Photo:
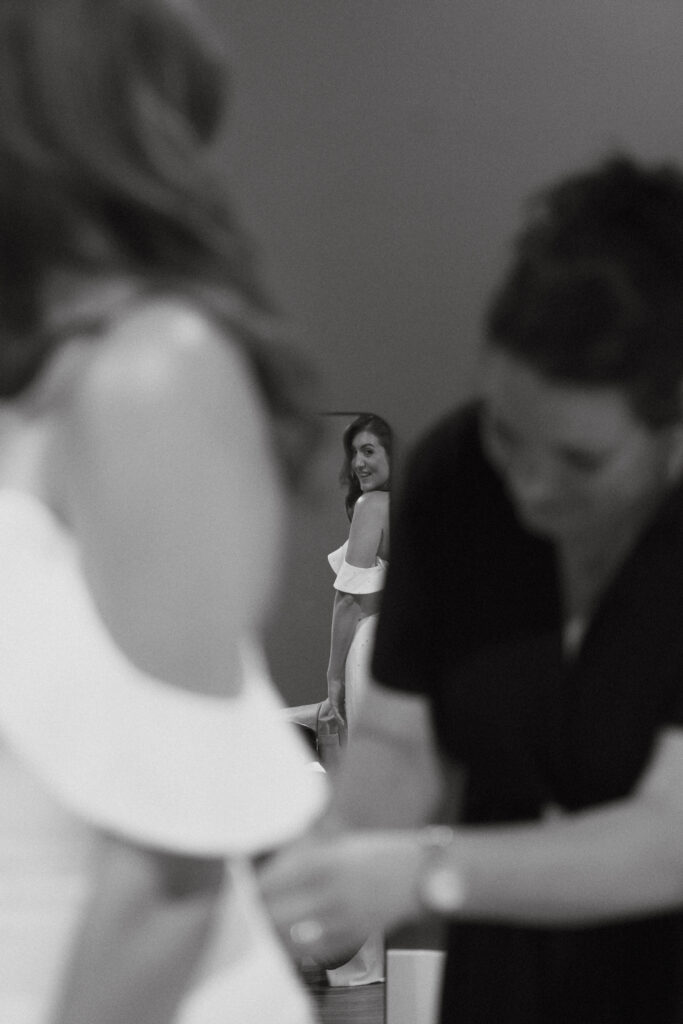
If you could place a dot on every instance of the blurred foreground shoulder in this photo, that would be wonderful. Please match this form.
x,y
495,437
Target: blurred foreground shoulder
x,y
163,349
172,491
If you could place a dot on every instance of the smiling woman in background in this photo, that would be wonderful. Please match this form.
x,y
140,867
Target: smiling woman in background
x,y
360,567
360,564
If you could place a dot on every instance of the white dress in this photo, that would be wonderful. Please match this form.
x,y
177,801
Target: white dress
x,y
89,742
352,579
367,966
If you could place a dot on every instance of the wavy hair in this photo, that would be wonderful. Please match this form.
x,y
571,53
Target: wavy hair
x,y
109,112
594,294
374,424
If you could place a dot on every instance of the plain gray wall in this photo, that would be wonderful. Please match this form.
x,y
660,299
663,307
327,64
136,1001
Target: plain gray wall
x,y
381,152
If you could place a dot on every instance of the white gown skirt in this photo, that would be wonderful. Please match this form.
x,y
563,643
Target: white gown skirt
x,y
246,975
367,966
357,670
45,861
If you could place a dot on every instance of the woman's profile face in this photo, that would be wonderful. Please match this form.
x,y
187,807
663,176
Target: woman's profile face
x,y
575,459
369,461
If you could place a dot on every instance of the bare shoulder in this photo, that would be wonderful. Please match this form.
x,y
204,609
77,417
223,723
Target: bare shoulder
x,y
164,392
368,528
371,511
169,483
373,505
161,351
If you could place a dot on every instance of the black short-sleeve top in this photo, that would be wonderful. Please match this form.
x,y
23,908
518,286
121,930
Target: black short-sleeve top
x,y
471,617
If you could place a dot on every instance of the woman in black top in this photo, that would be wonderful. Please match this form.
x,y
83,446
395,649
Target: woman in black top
x,y
531,645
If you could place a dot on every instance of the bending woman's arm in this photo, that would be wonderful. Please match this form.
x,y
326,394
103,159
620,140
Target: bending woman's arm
x,y
612,862
368,528
619,860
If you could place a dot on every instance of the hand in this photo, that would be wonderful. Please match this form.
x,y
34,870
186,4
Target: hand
x,y
326,895
336,696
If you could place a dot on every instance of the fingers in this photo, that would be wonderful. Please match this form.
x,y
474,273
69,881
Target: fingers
x,y
304,900
325,896
333,948
336,698
338,711
324,935
316,898
340,717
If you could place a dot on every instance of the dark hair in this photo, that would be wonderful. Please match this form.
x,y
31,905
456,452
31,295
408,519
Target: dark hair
x,y
347,478
109,108
595,291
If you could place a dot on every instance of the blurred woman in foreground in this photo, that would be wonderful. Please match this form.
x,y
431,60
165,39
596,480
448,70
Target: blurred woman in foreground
x,y
148,432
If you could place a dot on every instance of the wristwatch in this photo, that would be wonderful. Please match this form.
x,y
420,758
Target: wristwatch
x,y
441,886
